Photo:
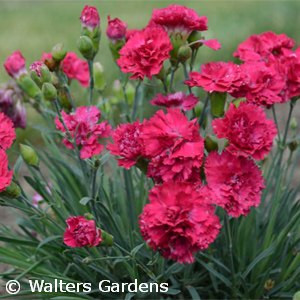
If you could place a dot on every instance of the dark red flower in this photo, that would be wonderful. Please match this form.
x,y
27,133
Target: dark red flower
x,y
259,47
5,174
179,19
15,64
90,17
247,129
7,132
236,183
174,146
83,125
176,100
127,144
116,29
76,68
217,77
82,233
179,221
145,52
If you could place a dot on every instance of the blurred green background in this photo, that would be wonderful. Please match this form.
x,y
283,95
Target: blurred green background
x,y
35,26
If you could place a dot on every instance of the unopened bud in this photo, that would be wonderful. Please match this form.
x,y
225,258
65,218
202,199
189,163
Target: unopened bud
x,y
107,239
85,46
193,38
297,296
12,191
217,101
29,86
293,145
211,143
29,155
45,74
99,78
184,53
58,52
49,91
294,124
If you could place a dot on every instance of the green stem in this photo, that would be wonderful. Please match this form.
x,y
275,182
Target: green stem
x,y
91,66
136,101
186,75
276,122
173,70
202,116
229,242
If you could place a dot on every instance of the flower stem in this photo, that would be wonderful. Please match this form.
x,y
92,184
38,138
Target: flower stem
x,y
202,116
229,242
186,75
276,122
91,66
136,101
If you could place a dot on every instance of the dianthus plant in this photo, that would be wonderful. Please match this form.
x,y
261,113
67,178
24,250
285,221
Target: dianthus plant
x,y
174,175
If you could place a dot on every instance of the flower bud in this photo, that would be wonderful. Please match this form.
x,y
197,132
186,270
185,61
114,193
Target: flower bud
x,y
107,239
26,83
293,145
12,191
90,17
64,99
85,46
99,78
15,65
116,30
45,74
177,42
29,156
193,38
297,296
211,143
294,124
58,52
35,77
217,101
49,91
184,53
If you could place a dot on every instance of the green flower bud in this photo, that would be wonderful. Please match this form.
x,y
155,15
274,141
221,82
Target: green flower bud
x,y
211,143
107,239
194,37
29,156
49,91
64,100
99,78
58,52
29,87
12,191
45,74
294,124
184,53
34,76
85,46
217,101
297,296
177,42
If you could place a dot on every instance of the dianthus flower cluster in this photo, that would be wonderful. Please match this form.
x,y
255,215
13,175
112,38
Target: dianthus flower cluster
x,y
269,73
